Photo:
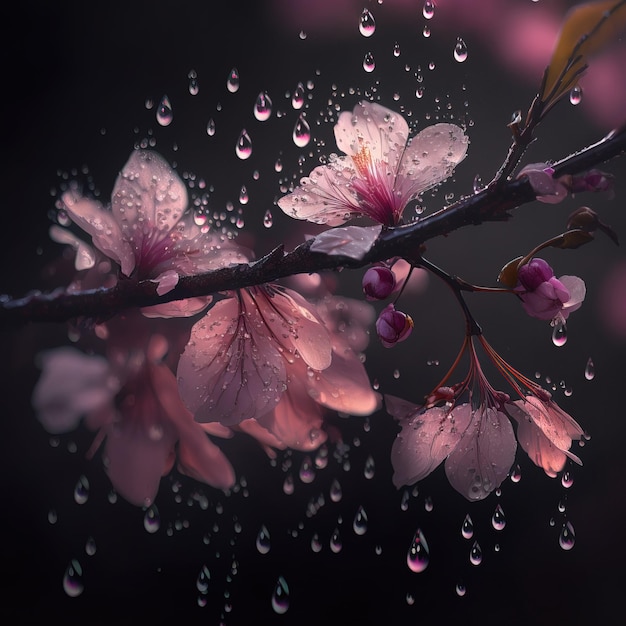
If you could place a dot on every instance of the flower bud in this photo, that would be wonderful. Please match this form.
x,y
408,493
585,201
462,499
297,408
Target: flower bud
x,y
533,273
393,326
378,283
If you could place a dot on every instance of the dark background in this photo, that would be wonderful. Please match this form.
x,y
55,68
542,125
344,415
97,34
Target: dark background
x,y
76,77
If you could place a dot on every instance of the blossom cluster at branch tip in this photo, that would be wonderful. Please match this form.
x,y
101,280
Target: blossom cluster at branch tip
x,y
546,297
382,169
393,326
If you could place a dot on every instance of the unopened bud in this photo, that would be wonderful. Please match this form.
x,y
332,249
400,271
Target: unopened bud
x,y
393,326
378,283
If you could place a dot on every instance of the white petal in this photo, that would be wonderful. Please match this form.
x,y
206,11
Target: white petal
x,y
350,241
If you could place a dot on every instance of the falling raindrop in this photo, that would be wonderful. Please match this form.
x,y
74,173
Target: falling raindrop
x,y
335,491
90,546
243,149
368,62
152,519
396,49
404,500
316,544
567,480
359,524
297,97
232,83
370,466
73,579
367,25
575,95
467,527
559,334
193,83
263,540
429,9
243,195
476,554
460,50
567,537
426,32
81,490
516,473
52,516
202,581
418,556
301,132
288,485
280,597
210,127
263,107
590,369
460,589
278,166
335,541
498,520
164,112
428,504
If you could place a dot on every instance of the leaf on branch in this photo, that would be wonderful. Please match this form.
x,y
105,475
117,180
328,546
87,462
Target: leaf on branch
x,y
586,29
353,242
508,274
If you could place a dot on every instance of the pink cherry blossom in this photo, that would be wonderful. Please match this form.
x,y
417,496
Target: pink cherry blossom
x,y
382,170
131,399
546,297
150,232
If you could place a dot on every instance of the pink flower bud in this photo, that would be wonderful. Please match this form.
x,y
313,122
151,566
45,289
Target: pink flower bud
x,y
393,326
592,180
532,274
378,283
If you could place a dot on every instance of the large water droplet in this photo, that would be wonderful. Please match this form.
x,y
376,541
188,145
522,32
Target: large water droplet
x,y
243,149
367,25
301,132
164,112
429,9
590,369
81,490
467,527
418,556
152,519
232,82
263,107
567,537
368,62
359,524
73,579
202,581
559,334
280,596
476,554
498,521
263,540
460,50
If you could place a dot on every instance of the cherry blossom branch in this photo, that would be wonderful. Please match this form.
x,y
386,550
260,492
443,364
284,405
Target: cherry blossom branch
x,y
493,203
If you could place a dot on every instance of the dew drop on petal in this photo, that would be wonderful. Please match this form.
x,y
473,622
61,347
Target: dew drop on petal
x,y
418,556
263,540
590,369
359,524
460,50
575,95
81,490
476,554
164,112
367,25
152,519
202,581
280,596
467,527
429,9
232,82
301,132
263,107
498,521
559,334
73,579
368,62
335,491
243,149
567,537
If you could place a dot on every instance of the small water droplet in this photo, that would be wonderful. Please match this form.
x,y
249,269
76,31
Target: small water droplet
x,y
576,95
359,524
370,467
335,491
567,480
476,554
81,490
280,596
426,32
335,541
90,546
516,474
590,369
243,195
243,149
301,132
297,97
210,127
316,544
368,62
194,88
559,334
152,519
278,166
498,521
467,527
367,25
288,485
164,112
263,540
567,536
429,9
232,82
52,516
428,504
460,589
263,107
202,581
418,556
410,599
460,50
396,49
73,579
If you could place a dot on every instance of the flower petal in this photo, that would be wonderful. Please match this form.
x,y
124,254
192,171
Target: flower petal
x,y
541,451
353,242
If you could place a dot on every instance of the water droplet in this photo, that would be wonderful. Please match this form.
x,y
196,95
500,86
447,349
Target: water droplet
x,y
232,82
460,589
243,195
567,480
288,485
297,97
396,49
193,83
316,544
263,540
426,32
210,127
280,597
81,490
90,546
559,334
278,166
590,369
575,95
460,50
243,149
428,504
370,467
368,62
429,9
359,524
202,581
164,112
263,107
404,500
367,25
467,527
567,537
410,599
516,474
73,579
498,520
335,541
152,519
418,556
301,132
52,516
476,554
